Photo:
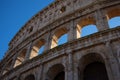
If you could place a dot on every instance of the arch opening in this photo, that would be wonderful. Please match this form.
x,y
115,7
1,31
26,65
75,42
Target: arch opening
x,y
30,77
95,71
41,49
91,66
89,29
59,37
60,76
113,13
7,67
38,48
114,22
21,58
56,72
113,17
86,26
62,39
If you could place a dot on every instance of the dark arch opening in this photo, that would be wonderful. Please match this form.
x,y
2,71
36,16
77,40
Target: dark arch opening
x,y
30,77
89,63
60,76
95,71
56,72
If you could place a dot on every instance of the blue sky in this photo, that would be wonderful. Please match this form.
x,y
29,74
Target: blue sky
x,y
15,13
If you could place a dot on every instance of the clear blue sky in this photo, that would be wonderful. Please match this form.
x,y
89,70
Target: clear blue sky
x,y
15,13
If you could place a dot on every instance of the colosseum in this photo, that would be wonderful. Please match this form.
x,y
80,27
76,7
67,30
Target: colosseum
x,y
92,57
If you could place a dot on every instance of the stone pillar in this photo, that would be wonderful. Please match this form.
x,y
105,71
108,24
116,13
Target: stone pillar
x,y
101,20
114,67
27,56
70,67
72,31
40,72
76,71
14,60
118,54
48,41
7,78
66,73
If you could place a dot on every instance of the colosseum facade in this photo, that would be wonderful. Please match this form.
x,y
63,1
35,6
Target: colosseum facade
x,y
93,57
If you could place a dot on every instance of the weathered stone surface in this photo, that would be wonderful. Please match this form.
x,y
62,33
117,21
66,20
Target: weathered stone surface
x,y
70,60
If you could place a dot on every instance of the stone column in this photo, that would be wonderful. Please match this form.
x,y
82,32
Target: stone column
x,y
76,71
114,67
66,73
40,72
101,20
44,75
18,77
69,68
118,55
48,41
72,31
14,60
27,56
7,78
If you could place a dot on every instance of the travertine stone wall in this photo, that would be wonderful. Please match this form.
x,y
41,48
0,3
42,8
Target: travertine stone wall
x,y
23,62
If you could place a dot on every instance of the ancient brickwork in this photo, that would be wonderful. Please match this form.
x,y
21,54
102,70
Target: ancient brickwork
x,y
73,60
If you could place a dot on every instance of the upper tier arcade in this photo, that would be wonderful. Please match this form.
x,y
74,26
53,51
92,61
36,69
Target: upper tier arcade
x,y
55,14
65,17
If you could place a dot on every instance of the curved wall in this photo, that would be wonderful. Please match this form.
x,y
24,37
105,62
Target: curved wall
x,y
46,27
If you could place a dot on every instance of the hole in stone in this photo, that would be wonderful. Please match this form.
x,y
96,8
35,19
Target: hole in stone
x,y
63,9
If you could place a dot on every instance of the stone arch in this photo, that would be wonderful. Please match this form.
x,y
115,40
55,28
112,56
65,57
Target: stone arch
x,y
90,61
30,77
113,14
84,22
36,48
13,78
89,29
58,33
21,57
8,66
56,72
